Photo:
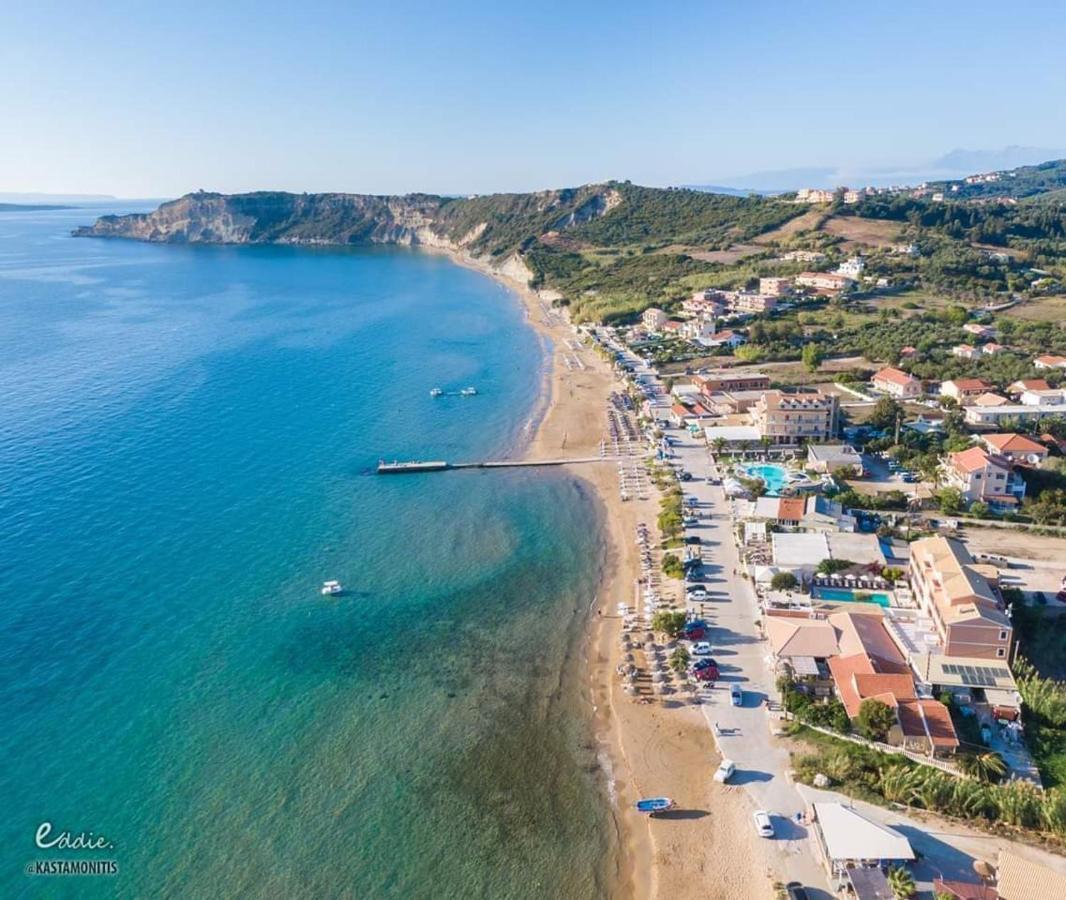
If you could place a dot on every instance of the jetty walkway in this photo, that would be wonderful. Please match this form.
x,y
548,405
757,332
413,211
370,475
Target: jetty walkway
x,y
408,468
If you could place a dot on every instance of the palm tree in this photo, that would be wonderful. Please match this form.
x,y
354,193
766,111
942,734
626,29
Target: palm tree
x,y
969,799
765,442
934,790
719,445
987,766
902,882
897,783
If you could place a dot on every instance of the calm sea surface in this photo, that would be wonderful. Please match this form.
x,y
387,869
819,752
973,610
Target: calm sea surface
x,y
185,440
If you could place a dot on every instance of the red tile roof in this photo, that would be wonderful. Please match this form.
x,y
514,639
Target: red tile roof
x,y
894,376
972,460
1014,443
790,509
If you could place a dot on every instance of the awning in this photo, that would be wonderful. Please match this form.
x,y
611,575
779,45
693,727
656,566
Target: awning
x,y
870,884
804,665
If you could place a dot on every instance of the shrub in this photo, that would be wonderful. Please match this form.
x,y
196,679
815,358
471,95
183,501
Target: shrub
x,y
875,718
668,621
784,581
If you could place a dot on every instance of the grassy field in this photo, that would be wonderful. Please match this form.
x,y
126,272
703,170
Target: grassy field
x,y
809,221
923,300
1040,309
855,231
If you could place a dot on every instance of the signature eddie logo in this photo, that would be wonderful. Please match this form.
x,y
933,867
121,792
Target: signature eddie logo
x,y
67,840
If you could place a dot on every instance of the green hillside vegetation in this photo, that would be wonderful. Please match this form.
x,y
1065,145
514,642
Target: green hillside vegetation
x,y
1025,181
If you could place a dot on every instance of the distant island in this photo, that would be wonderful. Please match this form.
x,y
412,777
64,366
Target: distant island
x,y
30,207
609,251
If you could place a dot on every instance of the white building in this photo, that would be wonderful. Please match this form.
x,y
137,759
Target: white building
x,y
654,319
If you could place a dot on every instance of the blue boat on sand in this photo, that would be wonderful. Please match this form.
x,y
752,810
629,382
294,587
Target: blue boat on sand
x,y
654,805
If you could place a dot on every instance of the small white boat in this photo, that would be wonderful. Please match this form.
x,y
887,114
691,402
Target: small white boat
x,y
331,588
468,391
436,392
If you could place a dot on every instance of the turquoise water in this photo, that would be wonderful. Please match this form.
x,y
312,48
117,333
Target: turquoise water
x,y
846,595
185,440
776,477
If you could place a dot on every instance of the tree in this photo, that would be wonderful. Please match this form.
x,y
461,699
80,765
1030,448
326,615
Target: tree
x,y
978,509
885,413
950,500
718,444
672,566
670,622
982,766
679,660
902,883
875,718
784,581
830,566
812,357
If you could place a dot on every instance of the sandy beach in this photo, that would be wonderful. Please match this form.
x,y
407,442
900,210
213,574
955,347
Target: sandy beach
x,y
707,847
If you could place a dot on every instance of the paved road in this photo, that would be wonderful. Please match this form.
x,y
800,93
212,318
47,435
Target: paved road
x,y
731,610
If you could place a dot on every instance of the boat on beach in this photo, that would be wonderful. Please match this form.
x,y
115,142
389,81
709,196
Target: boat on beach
x,y
655,805
332,588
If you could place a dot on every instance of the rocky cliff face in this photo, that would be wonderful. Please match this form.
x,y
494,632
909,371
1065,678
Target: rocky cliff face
x,y
277,218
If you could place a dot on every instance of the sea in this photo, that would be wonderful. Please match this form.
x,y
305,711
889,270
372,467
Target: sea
x,y
188,438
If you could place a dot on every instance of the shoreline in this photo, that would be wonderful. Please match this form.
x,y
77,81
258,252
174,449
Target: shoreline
x,y
654,749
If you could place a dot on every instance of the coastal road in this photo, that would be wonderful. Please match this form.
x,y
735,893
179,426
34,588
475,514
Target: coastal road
x,y
731,611
745,737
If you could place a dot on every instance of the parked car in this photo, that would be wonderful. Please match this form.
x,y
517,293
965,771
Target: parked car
x,y
708,674
701,648
763,825
724,771
699,592
690,521
796,891
736,695
686,476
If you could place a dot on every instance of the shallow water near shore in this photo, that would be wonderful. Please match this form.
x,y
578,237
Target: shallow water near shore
x,y
186,441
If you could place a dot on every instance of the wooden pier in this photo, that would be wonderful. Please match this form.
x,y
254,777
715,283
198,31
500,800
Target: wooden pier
x,y
404,468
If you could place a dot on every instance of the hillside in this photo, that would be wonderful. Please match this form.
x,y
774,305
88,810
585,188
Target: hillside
x,y
608,249
1018,184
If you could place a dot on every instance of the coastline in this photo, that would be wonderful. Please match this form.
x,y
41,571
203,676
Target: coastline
x,y
645,749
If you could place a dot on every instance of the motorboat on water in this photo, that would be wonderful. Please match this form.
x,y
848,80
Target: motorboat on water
x,y
436,392
331,588
468,392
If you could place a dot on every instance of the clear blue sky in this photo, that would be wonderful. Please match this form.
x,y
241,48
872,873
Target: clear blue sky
x,y
155,99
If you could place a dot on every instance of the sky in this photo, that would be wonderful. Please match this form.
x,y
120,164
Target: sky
x,y
142,99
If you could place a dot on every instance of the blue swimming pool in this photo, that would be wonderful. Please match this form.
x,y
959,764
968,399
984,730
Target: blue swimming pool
x,y
774,475
847,595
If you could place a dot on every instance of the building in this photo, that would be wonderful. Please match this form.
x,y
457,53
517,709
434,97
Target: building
x,y
1016,448
1017,413
809,256
775,287
897,383
830,458
812,513
853,195
1018,878
961,602
654,319
962,389
855,849
1017,388
979,331
989,399
728,380
814,195
1050,397
852,268
731,403
727,338
991,348
746,303
794,418
983,477
1050,361
824,281
699,305
908,352
699,330
965,351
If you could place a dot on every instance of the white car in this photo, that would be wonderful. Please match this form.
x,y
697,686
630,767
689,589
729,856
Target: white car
x,y
736,695
763,825
701,649
697,593
725,771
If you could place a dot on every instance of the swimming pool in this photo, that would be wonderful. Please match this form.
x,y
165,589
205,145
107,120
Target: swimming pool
x,y
775,476
847,595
